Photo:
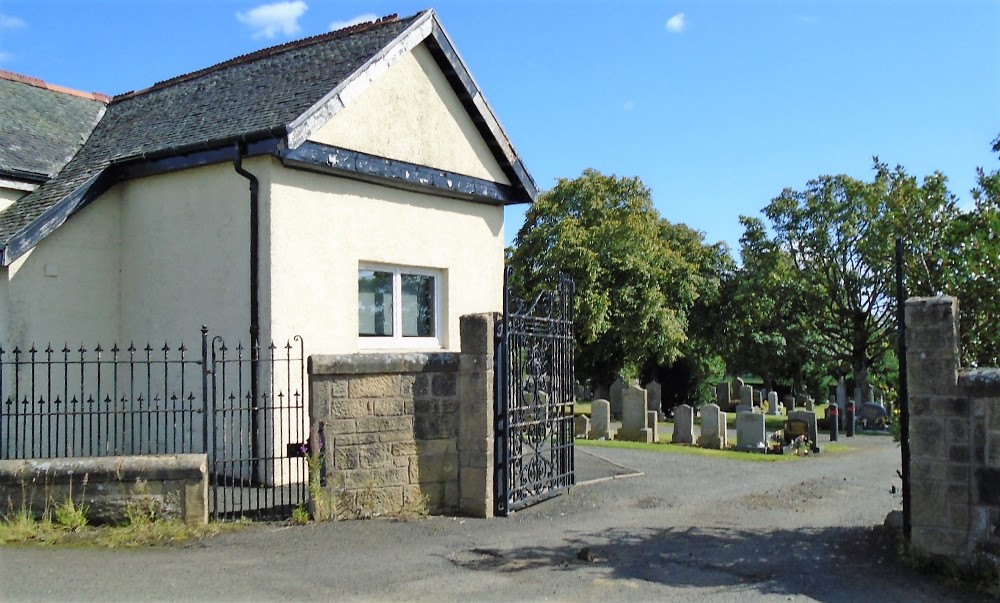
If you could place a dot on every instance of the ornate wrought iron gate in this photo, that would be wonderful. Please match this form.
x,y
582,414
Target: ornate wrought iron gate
x,y
535,388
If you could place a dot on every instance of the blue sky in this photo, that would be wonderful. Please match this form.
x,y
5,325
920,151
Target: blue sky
x,y
716,105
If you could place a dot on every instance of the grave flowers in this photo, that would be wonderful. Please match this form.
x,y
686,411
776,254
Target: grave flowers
x,y
777,442
801,446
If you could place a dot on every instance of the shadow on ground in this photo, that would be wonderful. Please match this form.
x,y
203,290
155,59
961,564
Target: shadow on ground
x,y
825,564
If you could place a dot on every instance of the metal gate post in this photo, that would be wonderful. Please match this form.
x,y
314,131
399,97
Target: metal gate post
x,y
205,372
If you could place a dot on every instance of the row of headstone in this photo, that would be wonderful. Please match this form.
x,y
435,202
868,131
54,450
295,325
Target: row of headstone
x,y
617,391
638,422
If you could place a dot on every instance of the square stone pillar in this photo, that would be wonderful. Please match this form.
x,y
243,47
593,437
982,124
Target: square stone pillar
x,y
477,405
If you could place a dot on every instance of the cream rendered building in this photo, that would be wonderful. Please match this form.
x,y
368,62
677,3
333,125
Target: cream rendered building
x,y
347,188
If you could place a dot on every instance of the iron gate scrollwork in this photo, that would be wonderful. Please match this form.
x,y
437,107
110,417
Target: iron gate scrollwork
x,y
535,389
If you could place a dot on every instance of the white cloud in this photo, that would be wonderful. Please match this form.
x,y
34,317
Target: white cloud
x,y
677,23
8,22
268,20
355,21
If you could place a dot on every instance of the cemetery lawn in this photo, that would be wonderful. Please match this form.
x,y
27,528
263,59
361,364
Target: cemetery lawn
x,y
668,448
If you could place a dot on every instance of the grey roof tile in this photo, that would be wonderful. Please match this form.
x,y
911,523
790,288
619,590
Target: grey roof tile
x,y
41,128
246,95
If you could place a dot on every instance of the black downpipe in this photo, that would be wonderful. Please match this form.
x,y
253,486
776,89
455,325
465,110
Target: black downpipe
x,y
904,390
240,151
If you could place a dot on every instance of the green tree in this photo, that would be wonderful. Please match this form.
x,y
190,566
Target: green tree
x,y
839,233
974,269
635,281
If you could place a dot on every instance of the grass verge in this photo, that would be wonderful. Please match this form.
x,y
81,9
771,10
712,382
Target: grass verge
x,y
21,528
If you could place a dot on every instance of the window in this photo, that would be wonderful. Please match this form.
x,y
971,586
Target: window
x,y
398,307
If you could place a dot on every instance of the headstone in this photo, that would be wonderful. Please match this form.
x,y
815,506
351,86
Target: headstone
x,y
615,393
683,425
746,399
873,416
714,429
800,400
653,425
758,397
810,404
737,387
750,434
634,411
581,426
722,395
600,420
653,397
772,403
789,402
812,429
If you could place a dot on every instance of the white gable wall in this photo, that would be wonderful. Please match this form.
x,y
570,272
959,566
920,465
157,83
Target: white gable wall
x,y
185,255
411,113
65,290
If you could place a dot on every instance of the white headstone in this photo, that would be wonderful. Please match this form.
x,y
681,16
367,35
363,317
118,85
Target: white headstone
x,y
600,420
683,425
714,429
772,403
750,434
581,426
651,423
634,416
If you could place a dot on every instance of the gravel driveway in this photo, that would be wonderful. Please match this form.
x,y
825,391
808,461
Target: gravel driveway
x,y
688,528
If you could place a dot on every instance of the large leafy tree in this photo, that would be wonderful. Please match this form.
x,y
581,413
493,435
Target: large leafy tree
x,y
839,234
763,301
634,274
973,269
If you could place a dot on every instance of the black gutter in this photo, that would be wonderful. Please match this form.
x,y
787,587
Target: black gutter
x,y
240,150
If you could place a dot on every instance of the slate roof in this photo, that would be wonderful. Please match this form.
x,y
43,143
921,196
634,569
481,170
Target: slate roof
x,y
256,97
242,97
41,128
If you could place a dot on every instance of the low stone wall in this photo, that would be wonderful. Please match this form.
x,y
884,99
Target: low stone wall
x,y
407,431
175,486
954,440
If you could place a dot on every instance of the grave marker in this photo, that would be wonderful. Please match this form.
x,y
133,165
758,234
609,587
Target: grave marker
x,y
714,428
600,417
683,425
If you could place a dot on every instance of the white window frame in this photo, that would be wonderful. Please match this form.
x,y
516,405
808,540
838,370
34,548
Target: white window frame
x,y
397,340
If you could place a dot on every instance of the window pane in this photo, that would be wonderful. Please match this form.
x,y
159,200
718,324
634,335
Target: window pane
x,y
418,305
374,303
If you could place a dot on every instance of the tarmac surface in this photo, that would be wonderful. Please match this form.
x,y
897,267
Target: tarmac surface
x,y
639,526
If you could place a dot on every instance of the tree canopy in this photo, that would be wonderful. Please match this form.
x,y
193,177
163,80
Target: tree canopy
x,y
636,274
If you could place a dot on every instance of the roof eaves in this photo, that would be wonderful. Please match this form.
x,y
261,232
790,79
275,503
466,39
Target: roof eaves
x,y
478,106
355,84
56,215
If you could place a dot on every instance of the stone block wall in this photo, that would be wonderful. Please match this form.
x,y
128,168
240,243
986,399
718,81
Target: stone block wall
x,y
408,431
954,440
175,486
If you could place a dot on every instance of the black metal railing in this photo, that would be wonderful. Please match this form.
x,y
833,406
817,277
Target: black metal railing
x,y
535,392
245,409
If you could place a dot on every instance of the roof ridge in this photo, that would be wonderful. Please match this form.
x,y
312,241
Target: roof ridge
x,y
257,54
40,83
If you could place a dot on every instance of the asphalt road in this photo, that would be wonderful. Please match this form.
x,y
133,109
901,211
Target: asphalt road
x,y
688,528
